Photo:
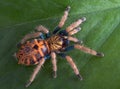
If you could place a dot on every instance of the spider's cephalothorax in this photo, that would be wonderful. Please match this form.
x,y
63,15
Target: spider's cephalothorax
x,y
57,42
43,45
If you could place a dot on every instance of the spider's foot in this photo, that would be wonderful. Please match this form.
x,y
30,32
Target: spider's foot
x,y
54,74
28,84
78,28
80,42
83,19
100,54
68,9
79,76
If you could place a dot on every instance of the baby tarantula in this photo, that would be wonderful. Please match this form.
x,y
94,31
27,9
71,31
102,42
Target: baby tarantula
x,y
43,45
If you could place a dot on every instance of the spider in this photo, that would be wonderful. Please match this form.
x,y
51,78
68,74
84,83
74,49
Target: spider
x,y
36,47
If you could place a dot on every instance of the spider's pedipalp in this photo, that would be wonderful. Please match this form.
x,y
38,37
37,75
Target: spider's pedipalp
x,y
74,39
74,31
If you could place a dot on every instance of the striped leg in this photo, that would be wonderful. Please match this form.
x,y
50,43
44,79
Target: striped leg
x,y
62,21
35,72
54,61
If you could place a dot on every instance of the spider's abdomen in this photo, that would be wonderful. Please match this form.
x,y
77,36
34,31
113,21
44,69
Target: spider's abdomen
x,y
32,52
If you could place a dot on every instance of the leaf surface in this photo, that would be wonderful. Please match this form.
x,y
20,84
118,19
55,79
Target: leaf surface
x,y
100,32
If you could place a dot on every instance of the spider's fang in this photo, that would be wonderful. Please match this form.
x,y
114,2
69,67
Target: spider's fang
x,y
100,54
79,76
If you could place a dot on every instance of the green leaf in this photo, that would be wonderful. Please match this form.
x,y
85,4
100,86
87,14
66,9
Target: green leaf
x,y
100,32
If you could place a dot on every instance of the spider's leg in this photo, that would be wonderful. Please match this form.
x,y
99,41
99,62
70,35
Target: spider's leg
x,y
29,36
84,49
75,24
43,29
88,50
54,61
62,21
72,64
35,72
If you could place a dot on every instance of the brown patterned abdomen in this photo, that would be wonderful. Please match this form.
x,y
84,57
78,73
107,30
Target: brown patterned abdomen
x,y
32,51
